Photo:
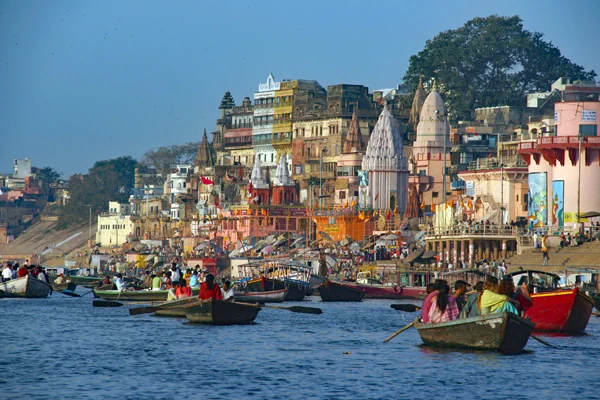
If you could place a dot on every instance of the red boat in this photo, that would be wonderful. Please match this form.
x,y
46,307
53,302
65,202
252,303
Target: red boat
x,y
555,310
375,291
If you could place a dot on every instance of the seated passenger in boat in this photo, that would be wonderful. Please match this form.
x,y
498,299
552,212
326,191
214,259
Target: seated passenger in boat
x,y
491,301
470,308
60,279
194,282
460,288
42,275
209,289
120,283
443,306
427,302
507,288
157,281
227,291
183,291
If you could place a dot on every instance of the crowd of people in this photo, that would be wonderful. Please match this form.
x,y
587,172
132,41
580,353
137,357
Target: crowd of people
x,y
15,271
489,297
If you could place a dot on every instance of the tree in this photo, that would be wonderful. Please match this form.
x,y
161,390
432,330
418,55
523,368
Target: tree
x,y
489,62
108,180
162,158
47,176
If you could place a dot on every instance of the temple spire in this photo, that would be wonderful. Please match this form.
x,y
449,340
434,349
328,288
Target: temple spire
x,y
204,157
417,104
354,141
282,175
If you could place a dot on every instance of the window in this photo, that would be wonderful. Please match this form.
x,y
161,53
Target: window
x,y
342,195
422,172
517,198
526,198
588,130
435,194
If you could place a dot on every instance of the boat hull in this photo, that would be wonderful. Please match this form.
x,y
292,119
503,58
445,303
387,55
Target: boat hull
x,y
218,312
562,311
85,280
296,291
334,291
504,332
59,287
276,296
136,295
27,287
388,292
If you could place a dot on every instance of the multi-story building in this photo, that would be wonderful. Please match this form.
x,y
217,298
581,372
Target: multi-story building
x,y
233,138
115,227
564,162
319,135
294,100
262,129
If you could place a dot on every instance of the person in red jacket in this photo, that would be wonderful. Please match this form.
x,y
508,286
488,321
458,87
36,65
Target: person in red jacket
x,y
210,290
22,271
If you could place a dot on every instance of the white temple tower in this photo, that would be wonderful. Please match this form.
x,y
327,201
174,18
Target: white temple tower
x,y
387,166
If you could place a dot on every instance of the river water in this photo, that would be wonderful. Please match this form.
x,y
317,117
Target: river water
x,y
62,347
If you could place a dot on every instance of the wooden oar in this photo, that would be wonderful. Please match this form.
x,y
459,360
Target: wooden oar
x,y
401,330
70,293
405,307
541,341
296,309
151,309
106,303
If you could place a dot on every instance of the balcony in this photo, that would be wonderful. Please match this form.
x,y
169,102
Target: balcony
x,y
262,141
282,140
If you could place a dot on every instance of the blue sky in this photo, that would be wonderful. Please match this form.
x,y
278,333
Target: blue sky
x,y
82,81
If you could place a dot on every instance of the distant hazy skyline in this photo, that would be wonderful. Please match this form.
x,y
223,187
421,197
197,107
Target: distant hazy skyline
x,y
82,81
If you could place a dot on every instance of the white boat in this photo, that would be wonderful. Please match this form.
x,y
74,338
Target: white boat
x,y
28,287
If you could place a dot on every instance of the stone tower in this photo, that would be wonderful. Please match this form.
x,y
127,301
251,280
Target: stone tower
x,y
386,165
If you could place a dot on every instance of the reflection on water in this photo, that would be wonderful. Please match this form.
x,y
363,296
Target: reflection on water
x,y
63,347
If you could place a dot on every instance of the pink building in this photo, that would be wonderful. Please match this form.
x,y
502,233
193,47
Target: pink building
x,y
564,165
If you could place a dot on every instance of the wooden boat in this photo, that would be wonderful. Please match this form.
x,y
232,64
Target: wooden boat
x,y
218,312
275,296
85,280
335,291
504,332
136,295
597,301
297,290
395,292
59,287
555,310
28,287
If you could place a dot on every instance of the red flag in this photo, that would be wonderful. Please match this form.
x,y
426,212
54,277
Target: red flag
x,y
250,187
206,181
218,205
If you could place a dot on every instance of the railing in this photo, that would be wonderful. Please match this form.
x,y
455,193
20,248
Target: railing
x,y
473,230
268,140
282,140
495,163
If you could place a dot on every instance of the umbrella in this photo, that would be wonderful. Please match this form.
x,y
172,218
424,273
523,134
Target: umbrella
x,y
325,236
298,241
267,250
590,214
271,239
204,245
346,242
279,242
414,255
140,246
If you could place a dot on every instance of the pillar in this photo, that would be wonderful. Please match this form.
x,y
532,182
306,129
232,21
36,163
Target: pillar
x,y
471,252
488,245
455,253
463,243
504,248
479,249
496,243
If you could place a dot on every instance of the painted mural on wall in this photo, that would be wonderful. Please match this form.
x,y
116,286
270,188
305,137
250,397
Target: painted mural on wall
x,y
538,199
558,203
363,178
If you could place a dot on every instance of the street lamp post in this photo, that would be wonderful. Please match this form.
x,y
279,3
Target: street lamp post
x,y
579,181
